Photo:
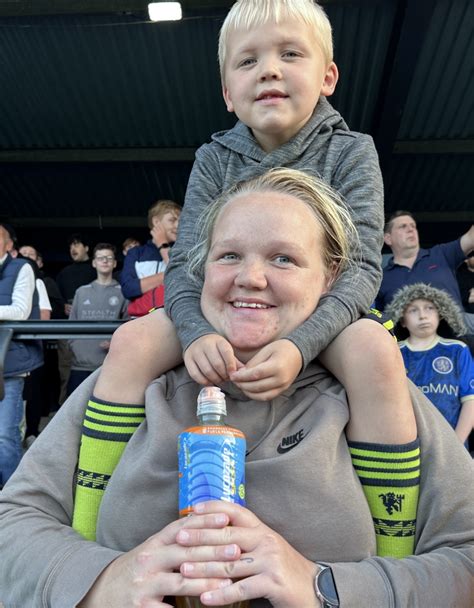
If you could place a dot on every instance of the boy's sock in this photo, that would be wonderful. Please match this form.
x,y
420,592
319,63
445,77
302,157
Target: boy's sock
x,y
106,430
390,478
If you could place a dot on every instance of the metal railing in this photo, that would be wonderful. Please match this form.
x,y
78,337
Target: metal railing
x,y
50,330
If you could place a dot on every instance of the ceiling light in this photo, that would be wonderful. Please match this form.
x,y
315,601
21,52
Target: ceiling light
x,y
165,11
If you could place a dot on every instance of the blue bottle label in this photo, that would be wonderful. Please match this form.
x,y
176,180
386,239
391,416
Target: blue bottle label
x,y
211,463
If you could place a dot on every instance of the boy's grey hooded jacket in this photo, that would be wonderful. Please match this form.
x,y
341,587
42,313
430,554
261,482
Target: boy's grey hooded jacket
x,y
325,148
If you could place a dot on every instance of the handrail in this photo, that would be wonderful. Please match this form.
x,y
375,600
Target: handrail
x,y
50,330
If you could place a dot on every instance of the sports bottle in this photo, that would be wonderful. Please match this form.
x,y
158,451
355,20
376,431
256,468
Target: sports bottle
x,y
211,464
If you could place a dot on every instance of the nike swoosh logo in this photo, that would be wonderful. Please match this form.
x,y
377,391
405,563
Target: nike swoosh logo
x,y
281,449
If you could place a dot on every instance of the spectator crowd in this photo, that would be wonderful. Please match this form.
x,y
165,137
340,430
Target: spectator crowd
x,y
40,375
90,288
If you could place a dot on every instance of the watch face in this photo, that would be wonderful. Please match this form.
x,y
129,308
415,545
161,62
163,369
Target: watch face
x,y
327,587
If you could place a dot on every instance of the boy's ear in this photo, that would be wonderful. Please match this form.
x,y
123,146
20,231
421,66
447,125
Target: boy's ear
x,y
330,80
227,99
387,239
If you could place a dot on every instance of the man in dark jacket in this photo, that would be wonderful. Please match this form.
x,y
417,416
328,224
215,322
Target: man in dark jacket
x,y
79,273
18,301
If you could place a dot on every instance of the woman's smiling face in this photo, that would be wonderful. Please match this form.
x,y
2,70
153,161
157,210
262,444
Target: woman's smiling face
x,y
264,273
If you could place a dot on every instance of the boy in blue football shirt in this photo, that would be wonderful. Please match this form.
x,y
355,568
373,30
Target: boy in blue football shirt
x,y
442,368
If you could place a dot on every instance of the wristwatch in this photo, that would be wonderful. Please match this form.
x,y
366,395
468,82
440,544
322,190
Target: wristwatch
x,y
164,246
325,587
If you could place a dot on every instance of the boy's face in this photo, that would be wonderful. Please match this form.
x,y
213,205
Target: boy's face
x,y
274,75
421,318
129,246
165,230
29,252
104,261
79,252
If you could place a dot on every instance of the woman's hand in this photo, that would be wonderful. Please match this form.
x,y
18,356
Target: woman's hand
x,y
210,360
268,566
151,571
269,372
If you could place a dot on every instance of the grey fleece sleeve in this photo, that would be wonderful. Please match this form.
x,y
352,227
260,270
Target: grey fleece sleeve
x,y
357,177
61,565
441,573
182,296
358,180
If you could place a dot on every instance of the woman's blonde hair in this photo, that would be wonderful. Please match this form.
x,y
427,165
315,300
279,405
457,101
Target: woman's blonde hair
x,y
341,244
247,14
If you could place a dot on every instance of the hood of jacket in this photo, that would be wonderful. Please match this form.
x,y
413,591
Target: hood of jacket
x,y
324,121
447,308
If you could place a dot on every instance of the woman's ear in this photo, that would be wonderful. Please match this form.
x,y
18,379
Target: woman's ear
x,y
331,276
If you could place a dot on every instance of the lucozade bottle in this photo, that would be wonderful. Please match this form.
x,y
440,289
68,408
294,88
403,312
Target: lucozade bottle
x,y
211,462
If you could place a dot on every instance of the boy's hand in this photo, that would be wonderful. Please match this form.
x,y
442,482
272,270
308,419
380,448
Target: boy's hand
x,y
210,360
270,371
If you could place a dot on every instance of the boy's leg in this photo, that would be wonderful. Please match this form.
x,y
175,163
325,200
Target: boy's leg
x,y
382,429
140,351
367,361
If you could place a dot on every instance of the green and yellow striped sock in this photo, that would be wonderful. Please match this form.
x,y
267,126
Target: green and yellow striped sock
x,y
390,478
106,431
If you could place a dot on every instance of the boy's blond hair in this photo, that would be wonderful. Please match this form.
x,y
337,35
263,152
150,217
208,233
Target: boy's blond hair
x,y
160,208
340,239
247,14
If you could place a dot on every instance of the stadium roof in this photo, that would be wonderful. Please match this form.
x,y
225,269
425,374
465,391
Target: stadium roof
x,y
102,110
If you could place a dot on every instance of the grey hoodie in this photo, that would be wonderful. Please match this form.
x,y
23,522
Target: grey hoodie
x,y
324,147
305,489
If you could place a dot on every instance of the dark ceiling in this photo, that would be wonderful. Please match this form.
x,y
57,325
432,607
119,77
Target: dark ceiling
x,y
102,110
